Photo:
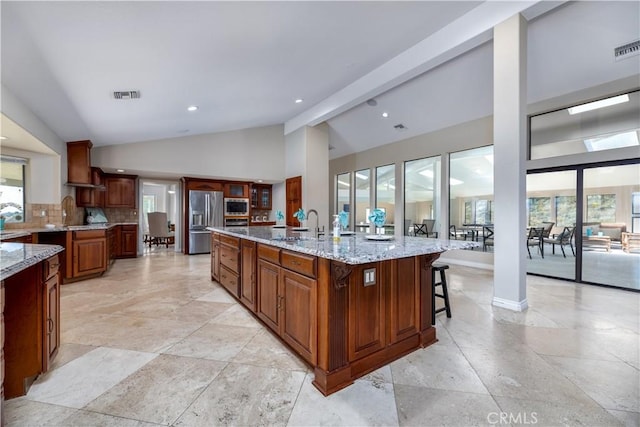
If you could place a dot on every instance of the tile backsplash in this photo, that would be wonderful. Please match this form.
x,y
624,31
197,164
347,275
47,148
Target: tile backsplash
x,y
53,215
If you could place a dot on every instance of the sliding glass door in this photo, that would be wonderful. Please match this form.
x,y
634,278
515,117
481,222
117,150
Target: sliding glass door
x,y
551,208
589,216
610,244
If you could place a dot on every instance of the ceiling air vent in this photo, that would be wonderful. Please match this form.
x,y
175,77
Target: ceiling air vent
x,y
628,50
127,94
400,127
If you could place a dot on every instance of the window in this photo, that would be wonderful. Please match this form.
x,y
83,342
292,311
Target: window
x,y
601,208
386,190
421,185
606,124
12,200
362,195
538,210
471,187
343,192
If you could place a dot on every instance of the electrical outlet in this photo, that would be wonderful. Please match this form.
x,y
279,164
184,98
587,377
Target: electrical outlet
x,y
370,276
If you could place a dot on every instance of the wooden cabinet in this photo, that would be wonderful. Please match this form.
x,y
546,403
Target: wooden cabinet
x,y
236,189
92,197
261,197
215,257
31,324
113,238
287,301
89,251
128,241
293,196
79,162
230,264
51,311
22,239
248,274
120,191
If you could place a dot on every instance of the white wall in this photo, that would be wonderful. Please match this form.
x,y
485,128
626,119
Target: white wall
x,y
42,176
48,184
248,154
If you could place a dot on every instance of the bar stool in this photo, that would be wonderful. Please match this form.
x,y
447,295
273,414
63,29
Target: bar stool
x,y
441,268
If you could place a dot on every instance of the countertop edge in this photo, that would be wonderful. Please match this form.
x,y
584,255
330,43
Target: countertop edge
x,y
46,251
437,246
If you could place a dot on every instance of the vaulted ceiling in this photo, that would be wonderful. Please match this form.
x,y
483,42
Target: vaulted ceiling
x,y
245,63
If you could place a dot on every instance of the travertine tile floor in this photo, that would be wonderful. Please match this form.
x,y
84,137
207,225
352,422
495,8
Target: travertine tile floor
x,y
155,342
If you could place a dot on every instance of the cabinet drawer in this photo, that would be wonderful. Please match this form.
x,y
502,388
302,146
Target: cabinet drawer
x,y
231,241
88,234
303,264
229,280
229,258
269,253
51,267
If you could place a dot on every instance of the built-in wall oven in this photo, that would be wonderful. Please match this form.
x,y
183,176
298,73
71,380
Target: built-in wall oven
x,y
236,207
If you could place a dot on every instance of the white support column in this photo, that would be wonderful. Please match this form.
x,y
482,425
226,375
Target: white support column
x,y
510,146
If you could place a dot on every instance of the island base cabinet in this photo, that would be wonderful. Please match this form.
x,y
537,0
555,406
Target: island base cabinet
x,y
248,274
31,324
268,307
215,257
298,305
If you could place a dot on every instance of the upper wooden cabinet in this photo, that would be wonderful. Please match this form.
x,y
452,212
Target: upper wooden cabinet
x,y
261,197
92,197
79,162
236,189
121,191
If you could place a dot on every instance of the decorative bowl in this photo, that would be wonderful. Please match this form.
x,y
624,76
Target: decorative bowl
x,y
49,226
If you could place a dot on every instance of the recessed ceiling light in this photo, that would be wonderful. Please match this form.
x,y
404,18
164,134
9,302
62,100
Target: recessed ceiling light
x,y
3,137
171,192
385,114
192,108
298,101
259,180
120,170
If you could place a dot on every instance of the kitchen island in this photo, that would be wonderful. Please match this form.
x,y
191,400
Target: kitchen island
x,y
346,307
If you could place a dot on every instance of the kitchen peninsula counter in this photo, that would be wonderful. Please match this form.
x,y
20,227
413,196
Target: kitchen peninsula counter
x,y
347,308
29,309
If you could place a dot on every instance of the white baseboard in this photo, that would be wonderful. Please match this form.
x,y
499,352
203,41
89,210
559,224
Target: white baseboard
x,y
510,305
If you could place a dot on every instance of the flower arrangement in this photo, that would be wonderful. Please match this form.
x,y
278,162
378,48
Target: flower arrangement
x,y
378,217
343,217
300,215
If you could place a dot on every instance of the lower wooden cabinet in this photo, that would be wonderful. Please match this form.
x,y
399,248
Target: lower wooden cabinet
x,y
89,253
215,257
248,274
287,304
51,312
128,244
31,324
230,264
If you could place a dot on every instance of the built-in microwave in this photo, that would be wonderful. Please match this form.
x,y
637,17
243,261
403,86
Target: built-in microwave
x,y
236,207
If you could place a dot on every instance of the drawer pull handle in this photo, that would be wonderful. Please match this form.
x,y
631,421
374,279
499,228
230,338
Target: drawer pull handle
x,y
295,262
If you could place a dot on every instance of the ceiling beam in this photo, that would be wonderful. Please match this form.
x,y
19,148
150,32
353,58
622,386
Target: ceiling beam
x,y
465,33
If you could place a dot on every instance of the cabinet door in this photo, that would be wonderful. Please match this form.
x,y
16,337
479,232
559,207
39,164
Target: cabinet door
x,y
299,321
236,190
215,258
264,196
366,313
121,192
89,256
129,241
51,318
404,285
248,274
268,307
293,199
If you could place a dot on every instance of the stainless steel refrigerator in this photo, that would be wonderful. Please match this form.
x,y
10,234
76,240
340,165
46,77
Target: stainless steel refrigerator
x,y
206,209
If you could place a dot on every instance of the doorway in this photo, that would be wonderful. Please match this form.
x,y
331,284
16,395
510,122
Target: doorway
x,y
160,196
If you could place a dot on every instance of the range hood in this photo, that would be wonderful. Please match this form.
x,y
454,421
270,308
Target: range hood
x,y
79,170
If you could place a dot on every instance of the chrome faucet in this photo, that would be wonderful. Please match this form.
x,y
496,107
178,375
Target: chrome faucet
x,y
316,230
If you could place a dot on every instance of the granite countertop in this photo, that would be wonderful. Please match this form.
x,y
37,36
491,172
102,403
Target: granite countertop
x,y
13,233
353,249
15,257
